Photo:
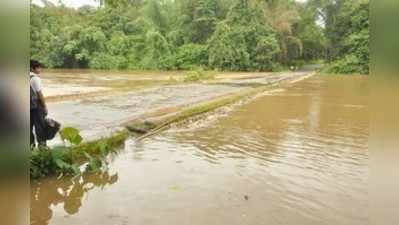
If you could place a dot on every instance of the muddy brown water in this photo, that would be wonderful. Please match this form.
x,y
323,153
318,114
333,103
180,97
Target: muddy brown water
x,y
100,102
297,156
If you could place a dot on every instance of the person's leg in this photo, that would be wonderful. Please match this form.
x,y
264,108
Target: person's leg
x,y
32,137
39,125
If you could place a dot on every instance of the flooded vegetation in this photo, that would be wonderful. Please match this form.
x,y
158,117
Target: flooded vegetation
x,y
298,155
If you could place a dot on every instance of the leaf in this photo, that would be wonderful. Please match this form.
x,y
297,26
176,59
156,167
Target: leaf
x,y
78,139
103,147
58,152
75,169
89,157
71,135
93,165
61,164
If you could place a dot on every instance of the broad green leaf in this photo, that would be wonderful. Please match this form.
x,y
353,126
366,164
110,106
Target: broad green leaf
x,y
71,135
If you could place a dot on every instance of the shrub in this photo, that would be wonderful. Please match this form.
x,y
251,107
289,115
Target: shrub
x,y
44,162
157,53
297,64
105,61
243,42
66,160
198,75
190,56
349,64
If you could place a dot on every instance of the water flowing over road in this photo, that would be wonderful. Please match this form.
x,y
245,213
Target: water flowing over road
x,y
98,104
294,156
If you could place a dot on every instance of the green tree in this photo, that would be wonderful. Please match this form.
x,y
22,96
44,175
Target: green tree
x,y
243,41
157,51
283,16
184,34
190,56
353,54
347,33
154,13
311,33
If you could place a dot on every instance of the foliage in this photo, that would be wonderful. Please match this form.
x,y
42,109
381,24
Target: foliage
x,y
71,135
238,35
157,51
354,55
44,162
63,160
243,42
349,64
190,56
347,32
284,17
198,75
311,34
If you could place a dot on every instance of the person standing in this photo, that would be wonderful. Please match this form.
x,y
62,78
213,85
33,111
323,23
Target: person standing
x,y
38,107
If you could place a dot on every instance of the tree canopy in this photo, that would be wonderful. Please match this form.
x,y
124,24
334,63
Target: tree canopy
x,y
236,35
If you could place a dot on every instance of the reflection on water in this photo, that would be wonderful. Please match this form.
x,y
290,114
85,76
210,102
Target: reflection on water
x,y
292,157
69,192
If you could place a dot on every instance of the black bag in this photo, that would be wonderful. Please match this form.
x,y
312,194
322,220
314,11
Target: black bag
x,y
51,128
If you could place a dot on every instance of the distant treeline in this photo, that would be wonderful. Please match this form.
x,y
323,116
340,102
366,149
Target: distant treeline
x,y
237,35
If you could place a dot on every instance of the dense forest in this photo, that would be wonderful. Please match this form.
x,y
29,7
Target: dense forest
x,y
235,35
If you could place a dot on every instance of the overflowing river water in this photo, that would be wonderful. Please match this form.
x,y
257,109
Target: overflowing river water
x,y
298,156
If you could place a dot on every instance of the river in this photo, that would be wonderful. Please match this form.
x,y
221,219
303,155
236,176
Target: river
x,y
293,156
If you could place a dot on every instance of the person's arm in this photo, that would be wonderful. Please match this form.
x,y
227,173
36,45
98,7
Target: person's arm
x,y
37,86
42,101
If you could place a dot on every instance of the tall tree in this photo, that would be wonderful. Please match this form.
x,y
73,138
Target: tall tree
x,y
283,16
220,34
347,33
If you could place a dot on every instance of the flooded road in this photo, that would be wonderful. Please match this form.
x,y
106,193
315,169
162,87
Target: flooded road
x,y
296,156
100,102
